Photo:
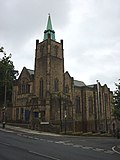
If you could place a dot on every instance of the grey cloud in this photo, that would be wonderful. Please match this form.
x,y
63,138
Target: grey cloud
x,y
96,44
90,30
20,19
25,21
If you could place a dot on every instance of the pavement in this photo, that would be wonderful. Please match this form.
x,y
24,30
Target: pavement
x,y
10,128
25,130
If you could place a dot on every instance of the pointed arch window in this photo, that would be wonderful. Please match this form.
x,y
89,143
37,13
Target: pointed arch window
x,y
78,110
66,89
27,88
106,100
23,87
105,103
19,89
56,85
90,105
41,88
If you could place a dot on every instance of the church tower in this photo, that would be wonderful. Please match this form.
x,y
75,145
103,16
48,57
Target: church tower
x,y
49,66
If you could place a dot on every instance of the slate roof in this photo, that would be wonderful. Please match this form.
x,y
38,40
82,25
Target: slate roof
x,y
31,71
91,86
79,83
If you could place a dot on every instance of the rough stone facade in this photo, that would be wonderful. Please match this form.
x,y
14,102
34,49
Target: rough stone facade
x,y
49,96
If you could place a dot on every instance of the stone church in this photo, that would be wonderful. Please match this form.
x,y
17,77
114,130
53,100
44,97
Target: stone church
x,y
48,98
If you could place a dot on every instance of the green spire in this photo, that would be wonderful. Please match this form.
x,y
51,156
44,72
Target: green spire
x,y
49,30
49,24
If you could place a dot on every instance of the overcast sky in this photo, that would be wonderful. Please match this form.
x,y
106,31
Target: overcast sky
x,y
90,30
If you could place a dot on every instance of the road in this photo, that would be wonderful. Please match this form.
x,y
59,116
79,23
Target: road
x,y
25,146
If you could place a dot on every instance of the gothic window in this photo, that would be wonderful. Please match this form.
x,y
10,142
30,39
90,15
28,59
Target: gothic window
x,y
21,113
67,89
43,116
23,87
27,115
90,105
19,89
106,100
17,113
27,88
78,110
56,85
41,88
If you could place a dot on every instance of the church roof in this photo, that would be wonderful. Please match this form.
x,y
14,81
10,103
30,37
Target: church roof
x,y
30,71
79,83
91,86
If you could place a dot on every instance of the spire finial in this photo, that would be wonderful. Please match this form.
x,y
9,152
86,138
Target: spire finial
x,y
49,29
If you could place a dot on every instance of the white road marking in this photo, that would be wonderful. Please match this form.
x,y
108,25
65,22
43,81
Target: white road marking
x,y
61,142
68,144
6,144
113,148
85,147
30,137
50,141
98,149
77,146
42,139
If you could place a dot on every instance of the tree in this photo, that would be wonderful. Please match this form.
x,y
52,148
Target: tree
x,y
116,111
7,75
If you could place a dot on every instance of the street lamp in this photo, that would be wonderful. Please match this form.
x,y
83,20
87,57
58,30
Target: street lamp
x,y
65,115
98,98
